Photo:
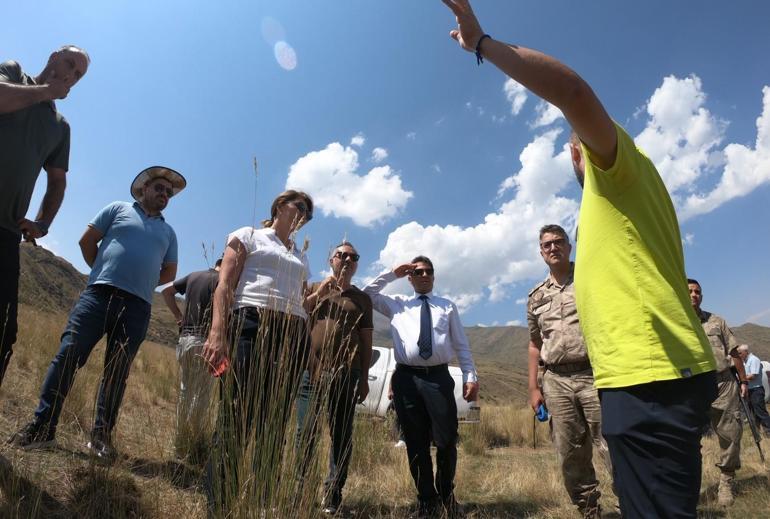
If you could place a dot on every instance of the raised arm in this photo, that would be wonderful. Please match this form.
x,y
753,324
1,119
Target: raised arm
x,y
14,97
386,305
547,78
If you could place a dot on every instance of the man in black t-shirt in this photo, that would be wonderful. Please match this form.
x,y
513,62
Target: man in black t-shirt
x,y
341,327
33,135
195,381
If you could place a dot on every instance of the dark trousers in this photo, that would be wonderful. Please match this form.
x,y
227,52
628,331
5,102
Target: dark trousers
x,y
653,432
268,358
9,296
100,310
426,409
339,389
758,406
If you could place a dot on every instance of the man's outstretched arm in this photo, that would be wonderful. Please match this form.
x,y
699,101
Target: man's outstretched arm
x,y
547,78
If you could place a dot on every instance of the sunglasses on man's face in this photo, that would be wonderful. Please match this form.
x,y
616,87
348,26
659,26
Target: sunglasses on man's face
x,y
303,208
160,188
345,255
422,272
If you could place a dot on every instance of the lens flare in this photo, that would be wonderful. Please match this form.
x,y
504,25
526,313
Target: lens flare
x,y
272,30
285,55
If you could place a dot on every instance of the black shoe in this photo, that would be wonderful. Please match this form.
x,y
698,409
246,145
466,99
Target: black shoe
x,y
101,447
428,509
34,435
331,504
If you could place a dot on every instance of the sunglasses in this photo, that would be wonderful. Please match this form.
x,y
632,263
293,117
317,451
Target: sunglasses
x,y
548,245
345,255
422,272
303,208
160,188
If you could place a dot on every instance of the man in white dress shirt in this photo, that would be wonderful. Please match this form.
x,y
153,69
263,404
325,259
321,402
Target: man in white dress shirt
x,y
427,334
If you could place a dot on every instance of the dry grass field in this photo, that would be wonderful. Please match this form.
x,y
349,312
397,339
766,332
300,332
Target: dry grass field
x,y
506,466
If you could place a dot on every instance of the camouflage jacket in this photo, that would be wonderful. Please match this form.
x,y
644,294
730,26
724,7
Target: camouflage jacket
x,y
720,337
552,318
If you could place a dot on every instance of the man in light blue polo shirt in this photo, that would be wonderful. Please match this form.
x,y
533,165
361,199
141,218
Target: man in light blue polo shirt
x,y
131,250
753,367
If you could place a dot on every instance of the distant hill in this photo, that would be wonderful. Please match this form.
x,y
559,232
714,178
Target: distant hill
x,y
52,284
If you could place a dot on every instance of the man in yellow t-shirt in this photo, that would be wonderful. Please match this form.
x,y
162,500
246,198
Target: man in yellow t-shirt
x,y
652,363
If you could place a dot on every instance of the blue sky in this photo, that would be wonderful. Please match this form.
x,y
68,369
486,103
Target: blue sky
x,y
407,146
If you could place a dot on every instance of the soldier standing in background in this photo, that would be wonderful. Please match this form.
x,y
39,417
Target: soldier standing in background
x,y
568,382
725,411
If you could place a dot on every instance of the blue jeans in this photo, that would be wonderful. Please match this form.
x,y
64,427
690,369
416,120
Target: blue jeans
x,y
758,406
100,310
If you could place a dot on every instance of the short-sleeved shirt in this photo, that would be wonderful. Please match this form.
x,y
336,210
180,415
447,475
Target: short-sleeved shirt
x,y
133,249
30,138
553,319
273,276
721,338
754,367
335,324
630,283
197,289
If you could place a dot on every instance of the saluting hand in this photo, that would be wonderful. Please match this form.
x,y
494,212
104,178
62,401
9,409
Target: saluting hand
x,y
403,270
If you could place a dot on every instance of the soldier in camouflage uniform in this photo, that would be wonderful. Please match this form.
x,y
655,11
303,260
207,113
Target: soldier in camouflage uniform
x,y
568,382
725,411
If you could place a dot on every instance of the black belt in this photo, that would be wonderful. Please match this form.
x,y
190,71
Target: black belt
x,y
423,369
569,367
109,289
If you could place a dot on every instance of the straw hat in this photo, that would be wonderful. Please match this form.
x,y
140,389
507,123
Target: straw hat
x,y
178,182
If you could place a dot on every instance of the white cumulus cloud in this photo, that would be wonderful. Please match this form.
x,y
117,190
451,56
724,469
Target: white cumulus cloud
x,y
515,94
358,140
745,168
486,260
546,114
331,177
379,154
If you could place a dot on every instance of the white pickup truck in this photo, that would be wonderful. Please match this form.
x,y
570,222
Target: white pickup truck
x,y
382,366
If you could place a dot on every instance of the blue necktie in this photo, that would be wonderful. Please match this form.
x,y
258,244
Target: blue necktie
x,y
425,341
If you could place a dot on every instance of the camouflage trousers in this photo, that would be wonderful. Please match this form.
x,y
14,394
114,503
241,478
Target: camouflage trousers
x,y
573,403
725,418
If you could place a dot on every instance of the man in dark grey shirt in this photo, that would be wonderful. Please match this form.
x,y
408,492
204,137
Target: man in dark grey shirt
x,y
195,381
33,135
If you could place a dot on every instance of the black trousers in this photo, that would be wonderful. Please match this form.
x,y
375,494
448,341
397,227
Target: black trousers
x,y
653,432
426,409
9,296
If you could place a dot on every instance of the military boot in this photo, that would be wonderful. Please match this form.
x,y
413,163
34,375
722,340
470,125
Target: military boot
x,y
725,493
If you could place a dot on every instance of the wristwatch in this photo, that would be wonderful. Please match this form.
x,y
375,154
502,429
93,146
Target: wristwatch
x,y
745,382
